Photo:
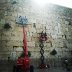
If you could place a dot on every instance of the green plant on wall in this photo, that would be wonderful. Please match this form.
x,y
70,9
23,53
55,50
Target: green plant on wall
x,y
7,26
14,2
29,54
53,52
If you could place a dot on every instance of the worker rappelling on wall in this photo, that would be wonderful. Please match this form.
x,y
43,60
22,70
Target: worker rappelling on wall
x,y
23,64
42,39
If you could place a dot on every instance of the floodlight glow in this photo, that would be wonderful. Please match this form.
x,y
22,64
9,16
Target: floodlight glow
x,y
65,3
41,2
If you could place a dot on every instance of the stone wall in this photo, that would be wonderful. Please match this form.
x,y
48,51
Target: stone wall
x,y
56,19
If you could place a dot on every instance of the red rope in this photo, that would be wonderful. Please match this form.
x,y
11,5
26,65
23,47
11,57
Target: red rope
x,y
25,42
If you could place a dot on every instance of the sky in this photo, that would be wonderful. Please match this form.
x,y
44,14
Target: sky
x,y
65,3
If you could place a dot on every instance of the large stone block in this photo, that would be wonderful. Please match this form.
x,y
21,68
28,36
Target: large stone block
x,y
31,44
17,43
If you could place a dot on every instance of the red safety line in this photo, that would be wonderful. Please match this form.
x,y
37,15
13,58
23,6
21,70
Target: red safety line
x,y
25,42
